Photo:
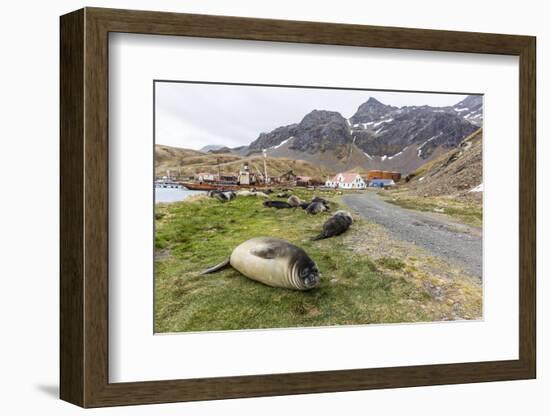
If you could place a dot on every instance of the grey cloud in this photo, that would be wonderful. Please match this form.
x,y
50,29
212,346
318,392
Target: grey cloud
x,y
194,115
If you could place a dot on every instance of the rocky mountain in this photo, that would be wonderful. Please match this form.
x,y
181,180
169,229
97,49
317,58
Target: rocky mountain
x,y
318,132
377,136
471,108
424,128
272,139
370,111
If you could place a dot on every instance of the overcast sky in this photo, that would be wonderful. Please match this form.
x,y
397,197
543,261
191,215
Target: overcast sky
x,y
195,115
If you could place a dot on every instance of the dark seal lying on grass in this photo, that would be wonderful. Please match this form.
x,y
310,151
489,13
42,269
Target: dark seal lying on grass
x,y
277,204
222,196
273,262
316,208
322,200
335,225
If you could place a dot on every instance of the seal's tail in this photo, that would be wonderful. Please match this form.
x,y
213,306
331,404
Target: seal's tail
x,y
319,237
217,267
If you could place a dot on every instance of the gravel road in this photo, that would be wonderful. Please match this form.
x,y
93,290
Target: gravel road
x,y
456,243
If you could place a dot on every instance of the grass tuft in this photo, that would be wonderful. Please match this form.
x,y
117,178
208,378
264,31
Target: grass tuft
x,y
390,263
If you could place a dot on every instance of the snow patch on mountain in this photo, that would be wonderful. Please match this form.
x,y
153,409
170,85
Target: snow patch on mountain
x,y
397,154
419,148
280,144
389,120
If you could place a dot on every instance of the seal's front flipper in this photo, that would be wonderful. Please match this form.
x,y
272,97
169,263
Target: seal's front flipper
x,y
217,267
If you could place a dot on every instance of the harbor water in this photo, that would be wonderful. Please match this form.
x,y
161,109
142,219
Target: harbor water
x,y
167,195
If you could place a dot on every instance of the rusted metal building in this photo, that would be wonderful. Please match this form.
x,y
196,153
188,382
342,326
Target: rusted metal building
x,y
383,174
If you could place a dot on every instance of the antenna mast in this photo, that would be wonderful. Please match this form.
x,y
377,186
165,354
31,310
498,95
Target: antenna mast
x,y
266,179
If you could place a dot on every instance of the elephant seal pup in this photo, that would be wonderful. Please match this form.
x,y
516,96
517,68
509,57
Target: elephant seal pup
x,y
335,225
315,208
294,201
273,262
319,199
277,204
225,196
220,196
246,193
322,201
213,193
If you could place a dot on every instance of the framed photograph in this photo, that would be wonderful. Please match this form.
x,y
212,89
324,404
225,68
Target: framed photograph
x,y
254,207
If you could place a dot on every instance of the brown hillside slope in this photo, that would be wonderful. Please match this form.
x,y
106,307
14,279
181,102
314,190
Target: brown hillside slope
x,y
189,162
168,153
178,159
453,174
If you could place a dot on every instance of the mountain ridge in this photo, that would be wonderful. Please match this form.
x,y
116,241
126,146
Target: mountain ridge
x,y
384,135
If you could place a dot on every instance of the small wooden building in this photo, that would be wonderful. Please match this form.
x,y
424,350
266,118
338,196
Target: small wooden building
x,y
374,174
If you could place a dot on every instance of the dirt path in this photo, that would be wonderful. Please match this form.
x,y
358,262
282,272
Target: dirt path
x,y
456,243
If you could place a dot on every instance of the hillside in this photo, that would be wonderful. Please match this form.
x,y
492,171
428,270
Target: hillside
x,y
455,173
178,159
189,162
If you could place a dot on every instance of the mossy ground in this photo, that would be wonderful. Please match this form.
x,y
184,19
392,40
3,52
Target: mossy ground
x,y
468,212
198,233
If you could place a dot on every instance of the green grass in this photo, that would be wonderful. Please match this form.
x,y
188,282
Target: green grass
x,y
191,236
468,212
390,263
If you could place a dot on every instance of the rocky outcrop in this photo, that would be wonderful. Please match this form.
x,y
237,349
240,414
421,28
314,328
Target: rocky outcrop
x,y
371,110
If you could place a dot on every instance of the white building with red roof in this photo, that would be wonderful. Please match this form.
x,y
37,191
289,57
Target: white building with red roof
x,y
346,180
